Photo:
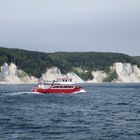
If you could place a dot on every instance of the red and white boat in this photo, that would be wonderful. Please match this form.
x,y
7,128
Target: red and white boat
x,y
60,86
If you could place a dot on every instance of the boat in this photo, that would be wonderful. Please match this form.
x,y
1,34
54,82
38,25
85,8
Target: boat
x,y
59,86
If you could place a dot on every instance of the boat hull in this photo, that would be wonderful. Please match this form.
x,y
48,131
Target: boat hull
x,y
57,91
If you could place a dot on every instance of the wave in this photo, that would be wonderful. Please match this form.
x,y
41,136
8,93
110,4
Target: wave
x,y
29,92
20,93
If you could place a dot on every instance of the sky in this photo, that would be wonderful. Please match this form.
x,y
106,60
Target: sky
x,y
71,25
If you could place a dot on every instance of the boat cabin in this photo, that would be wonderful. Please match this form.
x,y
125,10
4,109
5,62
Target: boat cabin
x,y
64,79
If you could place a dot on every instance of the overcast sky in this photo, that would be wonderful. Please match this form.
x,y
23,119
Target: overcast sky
x,y
71,25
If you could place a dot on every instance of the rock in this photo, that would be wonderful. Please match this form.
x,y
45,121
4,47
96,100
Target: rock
x,y
54,73
127,72
99,76
8,74
11,75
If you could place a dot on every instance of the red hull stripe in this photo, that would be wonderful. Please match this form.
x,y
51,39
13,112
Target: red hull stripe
x,y
56,91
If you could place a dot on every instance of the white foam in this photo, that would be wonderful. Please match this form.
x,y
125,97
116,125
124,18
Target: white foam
x,y
82,90
20,93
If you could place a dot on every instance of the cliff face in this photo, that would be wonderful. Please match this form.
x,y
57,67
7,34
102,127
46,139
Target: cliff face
x,y
98,77
125,73
54,73
11,75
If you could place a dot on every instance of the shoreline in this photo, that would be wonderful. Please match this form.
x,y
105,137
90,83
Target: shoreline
x,y
76,83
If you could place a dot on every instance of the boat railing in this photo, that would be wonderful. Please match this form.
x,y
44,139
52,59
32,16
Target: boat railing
x,y
57,82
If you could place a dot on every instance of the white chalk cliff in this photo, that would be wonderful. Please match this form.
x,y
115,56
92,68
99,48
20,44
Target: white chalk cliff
x,y
127,72
11,75
99,77
54,73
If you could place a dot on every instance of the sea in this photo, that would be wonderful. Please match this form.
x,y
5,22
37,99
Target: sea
x,y
104,112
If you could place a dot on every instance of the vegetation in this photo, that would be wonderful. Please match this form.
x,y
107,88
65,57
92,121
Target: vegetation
x,y
35,63
83,74
21,73
111,76
137,59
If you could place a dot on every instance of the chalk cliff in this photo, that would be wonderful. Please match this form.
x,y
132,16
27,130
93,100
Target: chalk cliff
x,y
98,77
125,73
54,73
10,74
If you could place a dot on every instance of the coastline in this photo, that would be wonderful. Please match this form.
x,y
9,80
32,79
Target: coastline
x,y
2,83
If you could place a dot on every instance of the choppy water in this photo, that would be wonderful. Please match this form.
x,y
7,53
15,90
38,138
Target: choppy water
x,y
104,112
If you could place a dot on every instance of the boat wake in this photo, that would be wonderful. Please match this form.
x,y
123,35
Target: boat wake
x,y
82,90
29,92
20,93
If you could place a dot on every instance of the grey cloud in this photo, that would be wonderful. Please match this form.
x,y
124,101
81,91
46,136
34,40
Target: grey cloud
x,y
71,25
